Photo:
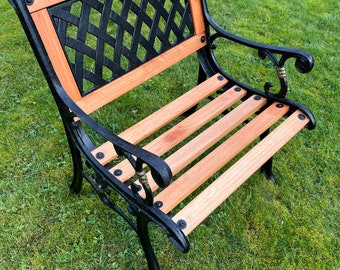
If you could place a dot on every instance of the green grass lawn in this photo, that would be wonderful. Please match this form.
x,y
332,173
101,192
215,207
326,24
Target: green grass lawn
x,y
293,224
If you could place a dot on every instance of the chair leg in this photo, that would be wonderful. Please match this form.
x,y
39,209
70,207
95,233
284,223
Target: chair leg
x,y
267,168
201,78
143,233
77,181
268,171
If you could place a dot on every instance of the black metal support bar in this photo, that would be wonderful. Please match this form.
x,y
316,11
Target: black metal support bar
x,y
267,168
77,181
144,237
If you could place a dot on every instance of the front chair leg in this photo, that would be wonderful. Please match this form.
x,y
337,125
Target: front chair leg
x,y
143,233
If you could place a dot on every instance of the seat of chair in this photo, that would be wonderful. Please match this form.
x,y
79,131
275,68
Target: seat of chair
x,y
243,107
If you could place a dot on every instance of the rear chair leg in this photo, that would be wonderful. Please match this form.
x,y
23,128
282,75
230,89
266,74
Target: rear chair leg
x,y
201,78
77,181
267,168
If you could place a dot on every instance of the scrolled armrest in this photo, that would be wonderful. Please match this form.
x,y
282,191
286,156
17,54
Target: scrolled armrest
x,y
137,156
160,171
278,55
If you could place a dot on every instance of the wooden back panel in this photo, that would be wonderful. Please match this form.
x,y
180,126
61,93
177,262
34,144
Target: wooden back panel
x,y
104,48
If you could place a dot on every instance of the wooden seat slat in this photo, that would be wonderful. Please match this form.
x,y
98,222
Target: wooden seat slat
x,y
163,116
184,129
205,168
208,200
201,143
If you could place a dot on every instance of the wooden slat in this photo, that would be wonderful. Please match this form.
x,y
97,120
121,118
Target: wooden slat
x,y
163,116
213,134
42,4
189,152
198,174
55,52
183,130
197,16
192,123
193,149
125,83
207,201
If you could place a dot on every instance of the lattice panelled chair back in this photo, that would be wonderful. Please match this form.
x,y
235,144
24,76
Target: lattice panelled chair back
x,y
94,51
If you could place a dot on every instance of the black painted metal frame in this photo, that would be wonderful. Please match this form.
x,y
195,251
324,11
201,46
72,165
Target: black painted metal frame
x,y
143,209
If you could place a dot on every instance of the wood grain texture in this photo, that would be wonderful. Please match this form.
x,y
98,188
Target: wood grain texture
x,y
213,162
56,53
43,4
207,201
184,129
118,87
197,16
163,116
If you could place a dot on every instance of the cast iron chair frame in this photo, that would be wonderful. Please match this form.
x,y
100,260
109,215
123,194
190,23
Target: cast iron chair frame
x,y
144,209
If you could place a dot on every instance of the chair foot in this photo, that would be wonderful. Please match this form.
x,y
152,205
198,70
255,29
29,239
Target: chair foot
x,y
76,184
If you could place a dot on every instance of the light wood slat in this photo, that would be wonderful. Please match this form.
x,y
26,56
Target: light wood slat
x,y
56,54
184,129
197,16
118,87
213,162
163,116
192,123
189,152
193,149
202,142
236,175
42,4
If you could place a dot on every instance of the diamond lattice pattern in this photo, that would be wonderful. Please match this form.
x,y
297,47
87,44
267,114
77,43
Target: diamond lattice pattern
x,y
104,39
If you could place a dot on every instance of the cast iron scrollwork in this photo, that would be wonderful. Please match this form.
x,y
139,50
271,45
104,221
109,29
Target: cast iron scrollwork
x,y
143,180
302,65
101,187
160,172
278,55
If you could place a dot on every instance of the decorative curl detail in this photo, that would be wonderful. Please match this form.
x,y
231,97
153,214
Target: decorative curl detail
x,y
304,65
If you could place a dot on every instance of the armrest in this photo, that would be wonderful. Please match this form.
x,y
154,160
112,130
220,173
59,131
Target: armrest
x,y
137,156
304,61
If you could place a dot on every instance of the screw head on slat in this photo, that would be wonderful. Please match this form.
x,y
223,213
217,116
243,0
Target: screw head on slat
x,y
182,224
301,116
158,204
100,155
118,172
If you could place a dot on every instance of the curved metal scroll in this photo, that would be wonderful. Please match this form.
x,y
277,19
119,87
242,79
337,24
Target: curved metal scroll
x,y
304,61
